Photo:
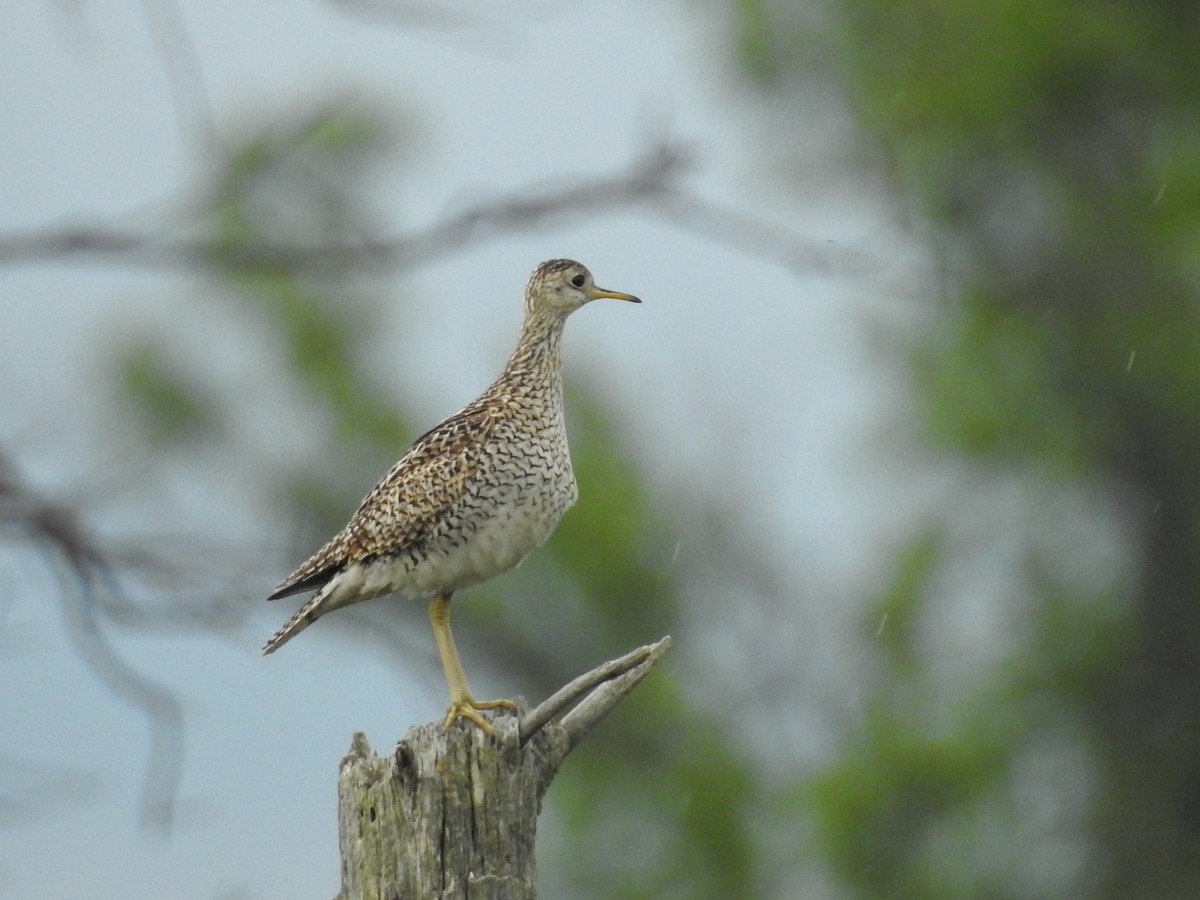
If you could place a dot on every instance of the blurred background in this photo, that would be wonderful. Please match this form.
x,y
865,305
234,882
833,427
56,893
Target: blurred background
x,y
900,448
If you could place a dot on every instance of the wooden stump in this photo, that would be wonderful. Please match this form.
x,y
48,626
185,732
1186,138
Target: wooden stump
x,y
453,814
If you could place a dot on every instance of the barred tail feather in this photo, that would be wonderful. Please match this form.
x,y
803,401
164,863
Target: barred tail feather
x,y
305,616
323,601
343,589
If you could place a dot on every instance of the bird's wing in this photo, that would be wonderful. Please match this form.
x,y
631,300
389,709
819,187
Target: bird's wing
x,y
410,504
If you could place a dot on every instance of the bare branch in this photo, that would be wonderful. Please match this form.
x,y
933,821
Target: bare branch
x,y
40,788
606,685
183,70
87,578
645,179
580,721
651,183
408,15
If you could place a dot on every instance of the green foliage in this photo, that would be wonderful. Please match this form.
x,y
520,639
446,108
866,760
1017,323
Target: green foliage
x,y
165,400
757,48
609,540
899,609
719,793
988,384
694,797
882,807
1043,143
295,187
959,87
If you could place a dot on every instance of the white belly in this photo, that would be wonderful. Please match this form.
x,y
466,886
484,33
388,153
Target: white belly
x,y
499,543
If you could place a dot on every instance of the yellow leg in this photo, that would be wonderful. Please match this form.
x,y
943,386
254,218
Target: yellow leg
x,y
462,704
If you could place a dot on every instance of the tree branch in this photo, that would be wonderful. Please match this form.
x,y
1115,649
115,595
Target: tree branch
x,y
645,178
650,182
87,581
611,681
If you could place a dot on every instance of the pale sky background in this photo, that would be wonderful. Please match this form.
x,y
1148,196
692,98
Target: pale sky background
x,y
789,381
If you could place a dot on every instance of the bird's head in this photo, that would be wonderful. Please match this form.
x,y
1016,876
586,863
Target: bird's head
x,y
562,286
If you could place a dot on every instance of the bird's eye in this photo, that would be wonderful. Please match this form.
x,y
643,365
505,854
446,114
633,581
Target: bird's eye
x,y
578,280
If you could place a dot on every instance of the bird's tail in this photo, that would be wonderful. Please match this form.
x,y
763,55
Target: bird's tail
x,y
320,603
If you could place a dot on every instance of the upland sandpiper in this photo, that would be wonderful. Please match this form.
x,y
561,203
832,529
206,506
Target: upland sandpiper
x,y
470,499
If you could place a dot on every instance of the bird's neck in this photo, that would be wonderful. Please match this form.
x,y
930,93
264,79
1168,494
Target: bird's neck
x,y
537,357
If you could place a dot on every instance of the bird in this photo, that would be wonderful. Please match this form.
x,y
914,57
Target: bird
x,y
470,499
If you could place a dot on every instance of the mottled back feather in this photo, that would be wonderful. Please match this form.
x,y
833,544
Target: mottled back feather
x,y
417,495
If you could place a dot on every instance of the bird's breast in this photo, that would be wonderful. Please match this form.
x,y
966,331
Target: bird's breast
x,y
492,538
512,508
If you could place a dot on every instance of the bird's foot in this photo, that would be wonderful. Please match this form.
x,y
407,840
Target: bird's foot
x,y
469,709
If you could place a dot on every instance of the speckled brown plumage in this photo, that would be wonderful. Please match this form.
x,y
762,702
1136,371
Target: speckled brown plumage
x,y
472,496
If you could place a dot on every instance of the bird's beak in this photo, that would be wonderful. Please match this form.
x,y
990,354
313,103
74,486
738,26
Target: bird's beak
x,y
598,293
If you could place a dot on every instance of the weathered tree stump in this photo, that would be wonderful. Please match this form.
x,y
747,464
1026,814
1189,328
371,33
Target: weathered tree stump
x,y
453,814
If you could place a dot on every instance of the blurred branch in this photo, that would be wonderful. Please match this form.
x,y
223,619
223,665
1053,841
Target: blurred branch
x,y
87,578
182,69
651,182
755,237
407,14
40,788
646,177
